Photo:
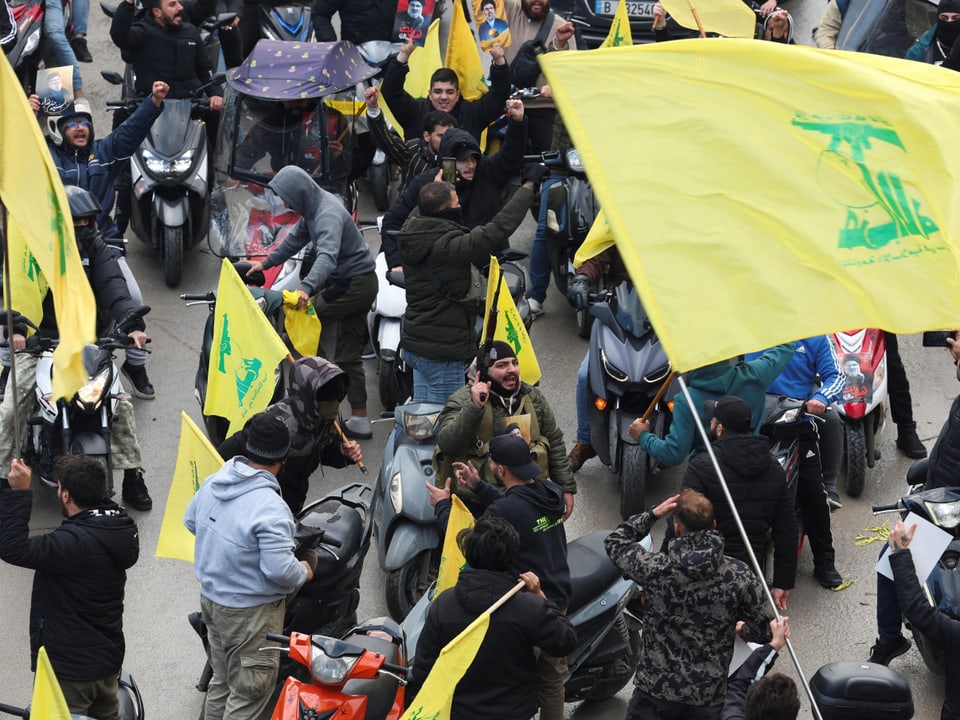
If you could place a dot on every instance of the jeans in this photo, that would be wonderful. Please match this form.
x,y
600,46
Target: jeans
x,y
56,33
435,380
539,256
81,9
583,403
135,356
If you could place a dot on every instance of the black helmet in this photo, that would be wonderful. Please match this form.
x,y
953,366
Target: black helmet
x,y
83,203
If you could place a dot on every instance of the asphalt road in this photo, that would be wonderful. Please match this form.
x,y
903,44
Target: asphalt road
x,y
162,651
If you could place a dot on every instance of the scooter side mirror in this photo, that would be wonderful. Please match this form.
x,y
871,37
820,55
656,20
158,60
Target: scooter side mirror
x,y
114,78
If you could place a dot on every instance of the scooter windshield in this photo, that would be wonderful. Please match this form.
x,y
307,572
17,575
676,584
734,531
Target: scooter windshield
x,y
630,313
169,130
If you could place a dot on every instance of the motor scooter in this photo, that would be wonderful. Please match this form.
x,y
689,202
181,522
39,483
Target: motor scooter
x,y
625,368
286,22
131,703
361,676
32,46
863,405
394,378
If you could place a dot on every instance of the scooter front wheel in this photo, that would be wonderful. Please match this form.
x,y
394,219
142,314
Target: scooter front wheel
x,y
633,480
172,255
406,585
855,475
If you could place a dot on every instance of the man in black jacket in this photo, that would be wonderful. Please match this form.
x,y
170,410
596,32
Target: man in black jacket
x,y
76,609
759,489
360,20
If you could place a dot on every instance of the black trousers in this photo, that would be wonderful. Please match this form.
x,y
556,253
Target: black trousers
x,y
901,405
812,498
646,707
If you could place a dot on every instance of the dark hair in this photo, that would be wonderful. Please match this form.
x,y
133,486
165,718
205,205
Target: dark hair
x,y
434,198
150,5
488,2
491,544
851,358
694,511
438,118
84,478
773,697
444,75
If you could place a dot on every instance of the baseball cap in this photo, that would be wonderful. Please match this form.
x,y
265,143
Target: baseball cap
x,y
731,412
514,453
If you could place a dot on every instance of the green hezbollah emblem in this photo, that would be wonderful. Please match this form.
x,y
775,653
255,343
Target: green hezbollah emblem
x,y
881,207
248,373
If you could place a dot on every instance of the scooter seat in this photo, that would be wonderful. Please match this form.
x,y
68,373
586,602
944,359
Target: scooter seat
x,y
381,691
591,570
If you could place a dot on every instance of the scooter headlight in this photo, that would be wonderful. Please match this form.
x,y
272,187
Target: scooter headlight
x,y
420,427
944,514
91,392
396,493
612,370
573,160
328,670
168,168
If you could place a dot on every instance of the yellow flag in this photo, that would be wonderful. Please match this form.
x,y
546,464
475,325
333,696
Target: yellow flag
x,y
435,698
598,239
510,327
28,285
732,18
246,351
463,56
301,323
792,188
31,190
619,28
423,62
451,559
197,459
48,701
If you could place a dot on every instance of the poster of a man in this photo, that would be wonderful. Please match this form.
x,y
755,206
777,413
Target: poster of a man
x,y
857,386
55,89
492,27
413,20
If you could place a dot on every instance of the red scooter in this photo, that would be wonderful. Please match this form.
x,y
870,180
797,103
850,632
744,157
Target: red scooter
x,y
362,676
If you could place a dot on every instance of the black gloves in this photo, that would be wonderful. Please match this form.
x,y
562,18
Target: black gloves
x,y
535,173
578,292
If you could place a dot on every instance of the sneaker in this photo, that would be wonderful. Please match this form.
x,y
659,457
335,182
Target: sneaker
x,y
833,502
908,443
358,428
80,49
886,649
134,491
827,575
579,454
536,307
137,375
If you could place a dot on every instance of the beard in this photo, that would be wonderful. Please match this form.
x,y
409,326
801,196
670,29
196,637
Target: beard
x,y
535,15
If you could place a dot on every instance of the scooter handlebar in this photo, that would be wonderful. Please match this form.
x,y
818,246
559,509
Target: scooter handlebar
x,y
892,507
278,638
400,670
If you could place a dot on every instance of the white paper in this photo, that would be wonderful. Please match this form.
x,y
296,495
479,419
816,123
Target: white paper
x,y
741,651
927,546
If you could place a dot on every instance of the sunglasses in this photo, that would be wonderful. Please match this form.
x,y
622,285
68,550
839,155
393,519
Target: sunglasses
x,y
70,124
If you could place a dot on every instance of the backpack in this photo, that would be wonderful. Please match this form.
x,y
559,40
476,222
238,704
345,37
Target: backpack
x,y
525,69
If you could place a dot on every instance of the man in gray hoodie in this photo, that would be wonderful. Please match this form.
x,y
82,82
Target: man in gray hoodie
x,y
341,282
246,566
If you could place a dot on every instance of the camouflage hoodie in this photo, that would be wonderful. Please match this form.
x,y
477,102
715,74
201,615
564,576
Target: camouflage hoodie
x,y
298,409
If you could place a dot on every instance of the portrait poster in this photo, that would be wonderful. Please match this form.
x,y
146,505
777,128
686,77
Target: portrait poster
x,y
492,25
55,89
412,20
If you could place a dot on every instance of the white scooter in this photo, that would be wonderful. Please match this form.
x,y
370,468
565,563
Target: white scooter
x,y
395,379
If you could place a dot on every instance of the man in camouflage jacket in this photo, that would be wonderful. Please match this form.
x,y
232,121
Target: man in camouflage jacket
x,y
693,597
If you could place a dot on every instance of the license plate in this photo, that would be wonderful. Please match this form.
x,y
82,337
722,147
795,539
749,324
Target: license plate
x,y
635,8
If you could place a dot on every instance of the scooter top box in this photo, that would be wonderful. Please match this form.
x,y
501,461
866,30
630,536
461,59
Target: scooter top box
x,y
861,691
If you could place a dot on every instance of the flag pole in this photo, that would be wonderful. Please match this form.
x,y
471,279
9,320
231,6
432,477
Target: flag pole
x,y
696,17
12,377
754,563
343,439
656,398
506,596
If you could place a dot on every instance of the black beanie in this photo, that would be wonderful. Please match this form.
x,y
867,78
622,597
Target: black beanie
x,y
266,438
498,350
951,6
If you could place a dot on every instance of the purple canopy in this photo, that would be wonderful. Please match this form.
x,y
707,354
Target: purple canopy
x,y
278,70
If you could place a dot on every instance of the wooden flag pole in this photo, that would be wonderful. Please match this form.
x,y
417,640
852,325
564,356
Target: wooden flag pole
x,y
344,440
660,392
696,17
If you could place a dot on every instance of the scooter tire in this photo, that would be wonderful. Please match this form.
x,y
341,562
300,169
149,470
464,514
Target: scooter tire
x,y
584,323
633,480
855,474
406,585
172,255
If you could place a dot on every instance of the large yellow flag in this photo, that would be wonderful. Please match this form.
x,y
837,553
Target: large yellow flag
x,y
246,351
28,285
619,28
510,327
732,18
197,460
797,191
48,701
31,190
451,558
463,56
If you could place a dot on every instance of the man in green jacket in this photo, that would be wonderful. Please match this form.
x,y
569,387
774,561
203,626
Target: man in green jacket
x,y
480,411
438,335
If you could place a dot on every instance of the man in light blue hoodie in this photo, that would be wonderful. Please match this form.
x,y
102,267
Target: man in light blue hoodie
x,y
245,563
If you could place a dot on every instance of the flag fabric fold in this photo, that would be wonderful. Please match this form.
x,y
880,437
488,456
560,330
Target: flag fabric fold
x,y
510,328
301,324
48,701
598,239
619,28
463,55
37,205
451,558
786,191
732,18
246,351
197,460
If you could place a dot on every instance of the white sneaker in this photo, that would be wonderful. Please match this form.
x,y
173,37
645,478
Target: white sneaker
x,y
536,307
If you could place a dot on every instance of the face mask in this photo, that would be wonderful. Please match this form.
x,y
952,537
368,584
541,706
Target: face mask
x,y
85,233
947,33
328,409
454,214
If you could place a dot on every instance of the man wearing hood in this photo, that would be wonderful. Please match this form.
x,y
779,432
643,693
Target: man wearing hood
x,y
479,182
759,489
693,598
245,563
535,508
317,387
341,282
501,682
747,380
76,609
934,46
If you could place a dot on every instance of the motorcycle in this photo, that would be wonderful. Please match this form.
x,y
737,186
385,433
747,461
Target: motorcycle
x,y
863,405
338,526
361,676
394,378
626,367
81,425
286,22
608,630
32,46
940,506
131,702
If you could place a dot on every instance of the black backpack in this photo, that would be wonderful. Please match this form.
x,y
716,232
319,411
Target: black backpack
x,y
524,70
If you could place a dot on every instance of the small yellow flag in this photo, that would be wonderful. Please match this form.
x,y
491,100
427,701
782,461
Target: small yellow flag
x,y
451,559
732,18
510,328
597,240
197,459
48,702
619,28
28,285
246,351
301,323
463,56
